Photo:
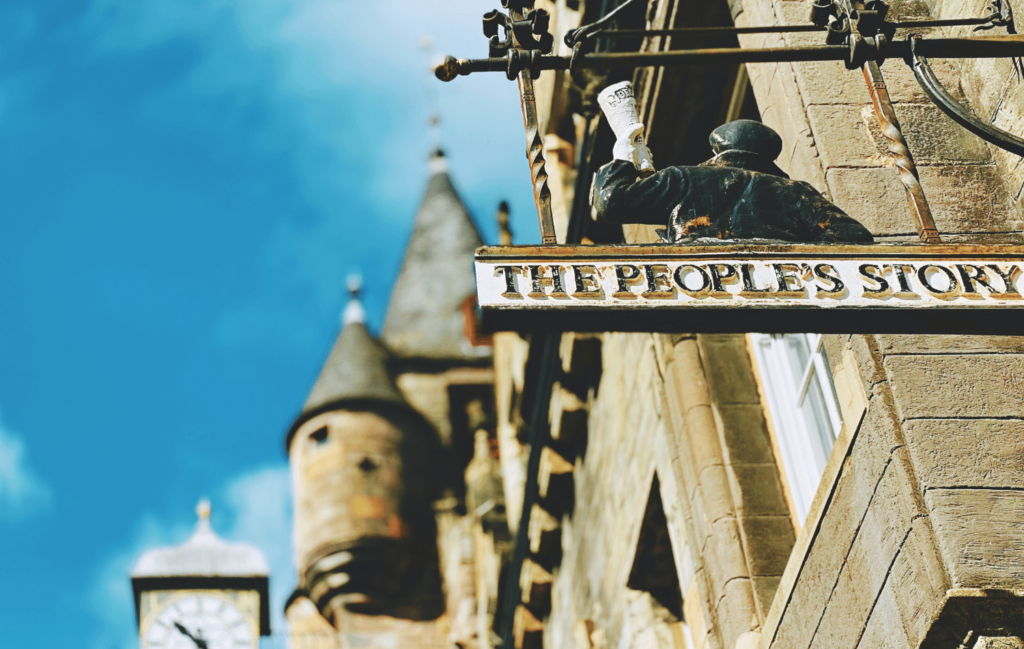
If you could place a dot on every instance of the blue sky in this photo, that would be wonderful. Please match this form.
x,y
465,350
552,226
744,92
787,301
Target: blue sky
x,y
185,185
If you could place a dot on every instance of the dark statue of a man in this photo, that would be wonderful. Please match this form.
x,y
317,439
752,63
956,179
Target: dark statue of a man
x,y
738,194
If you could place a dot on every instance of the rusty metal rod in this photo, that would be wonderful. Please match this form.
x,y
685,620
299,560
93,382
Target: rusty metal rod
x,y
982,47
906,169
535,152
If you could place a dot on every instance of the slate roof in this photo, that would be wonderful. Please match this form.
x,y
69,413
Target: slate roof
x,y
204,554
356,370
425,318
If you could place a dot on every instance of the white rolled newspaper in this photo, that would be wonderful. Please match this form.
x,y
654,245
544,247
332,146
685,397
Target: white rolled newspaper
x,y
619,106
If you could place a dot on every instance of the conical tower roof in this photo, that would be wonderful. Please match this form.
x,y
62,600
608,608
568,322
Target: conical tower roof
x,y
204,554
426,316
356,371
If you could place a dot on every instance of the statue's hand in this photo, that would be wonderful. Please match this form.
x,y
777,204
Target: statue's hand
x,y
632,148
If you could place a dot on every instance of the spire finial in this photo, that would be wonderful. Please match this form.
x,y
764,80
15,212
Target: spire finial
x,y
203,513
354,309
438,161
504,230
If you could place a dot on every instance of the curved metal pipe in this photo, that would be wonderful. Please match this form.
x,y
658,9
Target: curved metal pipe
x,y
958,112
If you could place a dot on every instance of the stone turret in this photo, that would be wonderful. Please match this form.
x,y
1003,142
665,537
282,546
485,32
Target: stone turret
x,y
361,461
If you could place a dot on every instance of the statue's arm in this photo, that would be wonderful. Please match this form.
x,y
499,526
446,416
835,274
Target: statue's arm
x,y
619,197
845,230
829,224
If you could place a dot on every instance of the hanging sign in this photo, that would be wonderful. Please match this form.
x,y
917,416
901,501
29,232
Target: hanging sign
x,y
845,288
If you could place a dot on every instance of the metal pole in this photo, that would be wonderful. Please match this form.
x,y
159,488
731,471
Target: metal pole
x,y
937,48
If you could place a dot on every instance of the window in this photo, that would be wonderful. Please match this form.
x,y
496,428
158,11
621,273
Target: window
x,y
803,408
317,438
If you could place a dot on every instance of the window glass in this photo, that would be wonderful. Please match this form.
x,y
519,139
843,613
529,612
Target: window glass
x,y
802,405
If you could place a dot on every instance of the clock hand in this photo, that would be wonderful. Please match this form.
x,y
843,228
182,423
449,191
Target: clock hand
x,y
200,643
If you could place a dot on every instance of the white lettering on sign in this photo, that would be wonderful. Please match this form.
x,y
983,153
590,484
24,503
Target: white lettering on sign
x,y
778,283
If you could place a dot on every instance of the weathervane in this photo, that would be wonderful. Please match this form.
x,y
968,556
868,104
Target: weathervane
x,y
857,33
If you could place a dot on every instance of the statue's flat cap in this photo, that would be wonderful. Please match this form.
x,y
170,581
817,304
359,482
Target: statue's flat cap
x,y
746,135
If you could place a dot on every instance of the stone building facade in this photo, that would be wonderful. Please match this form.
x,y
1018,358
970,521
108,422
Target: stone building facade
x,y
802,491
688,491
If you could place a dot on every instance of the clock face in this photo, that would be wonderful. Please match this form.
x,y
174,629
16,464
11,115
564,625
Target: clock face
x,y
199,621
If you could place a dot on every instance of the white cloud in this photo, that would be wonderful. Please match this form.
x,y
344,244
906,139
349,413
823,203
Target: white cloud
x,y
22,492
252,507
261,503
110,596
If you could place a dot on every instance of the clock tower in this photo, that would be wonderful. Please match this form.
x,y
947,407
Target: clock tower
x,y
203,594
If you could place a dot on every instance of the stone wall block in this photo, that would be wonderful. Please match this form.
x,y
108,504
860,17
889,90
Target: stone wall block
x,y
527,630
969,198
981,536
829,82
834,345
806,165
984,82
757,490
769,542
857,483
982,453
736,612
875,197
716,493
869,361
935,138
764,592
688,380
785,114
535,588
929,344
884,629
723,555
879,539
918,580
963,199
784,94
842,137
702,438
745,434
728,370
545,532
981,385
700,521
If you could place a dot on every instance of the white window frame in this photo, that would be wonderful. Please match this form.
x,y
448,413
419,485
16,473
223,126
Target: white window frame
x,y
802,406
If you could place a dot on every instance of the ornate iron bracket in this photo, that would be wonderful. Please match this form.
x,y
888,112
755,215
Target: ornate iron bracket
x,y
1001,16
957,111
530,33
857,33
